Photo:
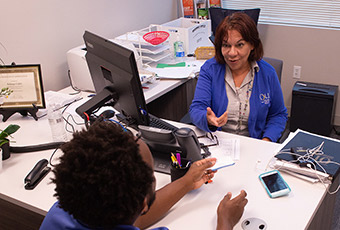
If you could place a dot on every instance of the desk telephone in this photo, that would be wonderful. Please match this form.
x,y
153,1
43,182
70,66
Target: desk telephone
x,y
183,140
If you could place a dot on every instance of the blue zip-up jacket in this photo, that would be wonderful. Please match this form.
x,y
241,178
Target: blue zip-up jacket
x,y
268,114
58,219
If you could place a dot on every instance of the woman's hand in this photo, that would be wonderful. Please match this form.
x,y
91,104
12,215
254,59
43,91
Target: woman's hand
x,y
216,121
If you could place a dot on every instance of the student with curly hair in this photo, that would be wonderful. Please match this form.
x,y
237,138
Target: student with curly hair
x,y
105,180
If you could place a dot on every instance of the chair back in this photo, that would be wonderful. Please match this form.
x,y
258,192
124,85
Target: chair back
x,y
277,64
218,14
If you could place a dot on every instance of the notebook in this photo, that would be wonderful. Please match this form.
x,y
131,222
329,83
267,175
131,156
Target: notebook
x,y
329,158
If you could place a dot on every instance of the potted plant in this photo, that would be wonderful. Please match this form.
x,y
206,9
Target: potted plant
x,y
4,142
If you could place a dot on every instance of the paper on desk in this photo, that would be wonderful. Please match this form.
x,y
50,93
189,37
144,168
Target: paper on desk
x,y
226,153
59,99
231,148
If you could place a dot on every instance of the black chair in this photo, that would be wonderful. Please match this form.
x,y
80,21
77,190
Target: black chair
x,y
277,64
218,14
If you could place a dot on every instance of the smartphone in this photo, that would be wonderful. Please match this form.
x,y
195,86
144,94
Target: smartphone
x,y
274,184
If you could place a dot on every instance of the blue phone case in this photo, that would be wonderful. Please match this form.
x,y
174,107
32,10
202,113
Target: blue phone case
x,y
276,189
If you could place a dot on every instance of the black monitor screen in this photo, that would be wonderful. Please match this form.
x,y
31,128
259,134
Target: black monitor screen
x,y
113,65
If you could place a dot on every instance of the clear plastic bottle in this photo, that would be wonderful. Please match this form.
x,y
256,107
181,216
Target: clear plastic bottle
x,y
56,121
179,48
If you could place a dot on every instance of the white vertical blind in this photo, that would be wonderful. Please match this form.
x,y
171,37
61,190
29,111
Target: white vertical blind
x,y
321,13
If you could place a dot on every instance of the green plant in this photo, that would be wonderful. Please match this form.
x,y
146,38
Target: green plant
x,y
7,132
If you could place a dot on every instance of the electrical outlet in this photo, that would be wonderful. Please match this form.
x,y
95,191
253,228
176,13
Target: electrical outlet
x,y
297,72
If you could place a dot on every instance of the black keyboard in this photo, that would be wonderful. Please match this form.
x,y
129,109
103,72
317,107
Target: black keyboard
x,y
158,123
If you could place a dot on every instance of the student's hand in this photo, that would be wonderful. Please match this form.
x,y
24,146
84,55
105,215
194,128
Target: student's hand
x,y
199,172
266,139
216,121
229,210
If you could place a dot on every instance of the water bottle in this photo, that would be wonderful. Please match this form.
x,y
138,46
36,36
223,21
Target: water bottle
x,y
56,121
179,49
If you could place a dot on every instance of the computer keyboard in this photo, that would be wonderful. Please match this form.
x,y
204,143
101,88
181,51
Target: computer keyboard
x,y
158,123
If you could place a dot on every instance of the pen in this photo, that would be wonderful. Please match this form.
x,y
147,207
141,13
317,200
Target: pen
x,y
178,157
174,160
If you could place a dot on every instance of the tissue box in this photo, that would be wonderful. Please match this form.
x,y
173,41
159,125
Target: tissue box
x,y
192,32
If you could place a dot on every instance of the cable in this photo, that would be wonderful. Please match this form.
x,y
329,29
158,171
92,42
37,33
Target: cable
x,y
35,148
50,160
124,128
311,163
73,87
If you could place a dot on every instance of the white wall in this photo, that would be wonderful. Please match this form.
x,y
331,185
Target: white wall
x,y
317,51
42,31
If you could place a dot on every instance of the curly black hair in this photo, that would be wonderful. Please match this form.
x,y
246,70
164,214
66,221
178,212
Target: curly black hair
x,y
102,179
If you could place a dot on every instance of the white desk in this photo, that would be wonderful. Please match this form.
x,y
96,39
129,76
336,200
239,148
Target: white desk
x,y
197,210
154,90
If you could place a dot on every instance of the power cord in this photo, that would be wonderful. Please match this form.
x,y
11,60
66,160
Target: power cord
x,y
75,88
311,163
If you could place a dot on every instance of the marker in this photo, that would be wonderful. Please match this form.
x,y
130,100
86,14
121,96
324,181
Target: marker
x,y
174,161
178,157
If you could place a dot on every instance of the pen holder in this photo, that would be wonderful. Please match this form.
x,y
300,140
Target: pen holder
x,y
177,172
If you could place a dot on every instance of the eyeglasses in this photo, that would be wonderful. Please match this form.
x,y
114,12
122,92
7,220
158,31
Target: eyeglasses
x,y
211,137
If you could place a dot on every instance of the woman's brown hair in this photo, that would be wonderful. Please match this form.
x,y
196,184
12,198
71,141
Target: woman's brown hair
x,y
246,26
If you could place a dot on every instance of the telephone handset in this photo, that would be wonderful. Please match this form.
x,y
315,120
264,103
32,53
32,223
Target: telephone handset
x,y
183,139
189,143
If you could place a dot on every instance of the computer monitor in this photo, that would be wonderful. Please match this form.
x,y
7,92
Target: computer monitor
x,y
115,75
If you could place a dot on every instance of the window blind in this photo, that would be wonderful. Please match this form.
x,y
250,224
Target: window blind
x,y
321,13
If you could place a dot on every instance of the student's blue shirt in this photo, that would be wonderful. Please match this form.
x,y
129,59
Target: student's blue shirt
x,y
268,114
57,219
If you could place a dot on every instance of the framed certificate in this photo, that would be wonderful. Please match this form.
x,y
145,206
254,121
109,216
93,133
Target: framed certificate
x,y
24,87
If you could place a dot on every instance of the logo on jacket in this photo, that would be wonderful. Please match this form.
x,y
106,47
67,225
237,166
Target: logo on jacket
x,y
265,98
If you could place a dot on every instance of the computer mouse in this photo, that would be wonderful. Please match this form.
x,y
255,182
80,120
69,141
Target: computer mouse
x,y
107,113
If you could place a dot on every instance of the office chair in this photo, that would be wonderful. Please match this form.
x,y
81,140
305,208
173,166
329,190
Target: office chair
x,y
277,64
218,14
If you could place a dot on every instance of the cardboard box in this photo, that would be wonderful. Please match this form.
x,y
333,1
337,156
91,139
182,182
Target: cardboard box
x,y
192,32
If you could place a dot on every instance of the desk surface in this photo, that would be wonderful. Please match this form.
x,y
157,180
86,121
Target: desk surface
x,y
197,210
154,90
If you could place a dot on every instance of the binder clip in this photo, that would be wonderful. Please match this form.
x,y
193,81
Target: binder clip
x,y
36,175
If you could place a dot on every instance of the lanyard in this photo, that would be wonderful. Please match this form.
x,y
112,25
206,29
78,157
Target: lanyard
x,y
241,113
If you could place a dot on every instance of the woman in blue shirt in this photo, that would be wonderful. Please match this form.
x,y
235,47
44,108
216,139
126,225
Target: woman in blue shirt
x,y
237,91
